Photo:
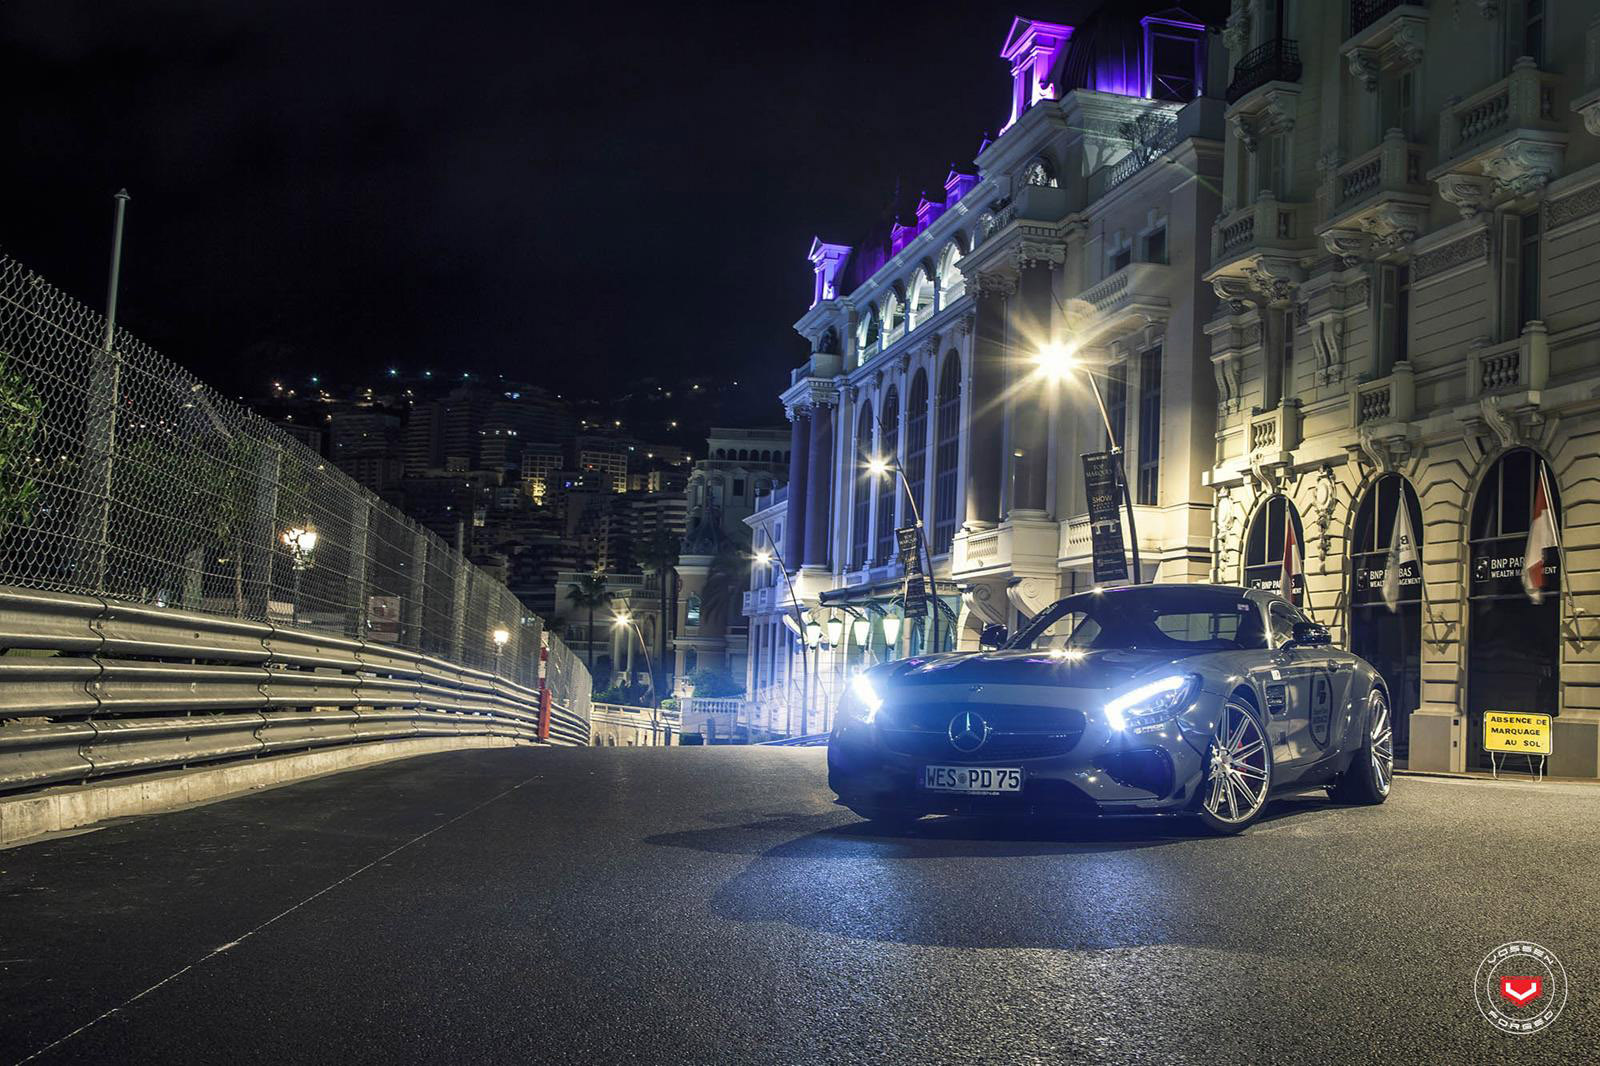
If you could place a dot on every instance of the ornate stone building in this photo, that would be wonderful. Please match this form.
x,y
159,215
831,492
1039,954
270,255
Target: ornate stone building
x,y
1076,226
1408,265
1377,222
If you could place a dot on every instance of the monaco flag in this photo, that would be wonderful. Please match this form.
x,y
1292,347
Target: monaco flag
x,y
1291,561
1402,550
1542,536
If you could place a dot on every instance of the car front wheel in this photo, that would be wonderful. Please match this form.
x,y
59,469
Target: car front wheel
x,y
1371,771
1238,771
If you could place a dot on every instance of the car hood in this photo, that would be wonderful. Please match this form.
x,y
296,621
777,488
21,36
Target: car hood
x,y
1105,668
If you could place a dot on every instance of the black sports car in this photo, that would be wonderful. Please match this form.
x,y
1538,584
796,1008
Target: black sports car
x,y
1150,699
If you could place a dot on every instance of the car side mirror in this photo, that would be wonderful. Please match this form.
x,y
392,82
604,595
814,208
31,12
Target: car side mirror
x,y
1310,635
993,636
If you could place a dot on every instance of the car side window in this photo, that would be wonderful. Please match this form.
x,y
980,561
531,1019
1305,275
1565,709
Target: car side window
x,y
1283,620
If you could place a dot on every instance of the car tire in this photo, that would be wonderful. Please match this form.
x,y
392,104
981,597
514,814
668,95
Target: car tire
x,y
1238,771
1369,778
887,822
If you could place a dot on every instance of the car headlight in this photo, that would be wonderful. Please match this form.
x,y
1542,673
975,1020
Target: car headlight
x,y
1152,705
862,702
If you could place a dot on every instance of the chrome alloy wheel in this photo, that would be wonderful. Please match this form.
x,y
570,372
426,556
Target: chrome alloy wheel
x,y
1382,743
1240,766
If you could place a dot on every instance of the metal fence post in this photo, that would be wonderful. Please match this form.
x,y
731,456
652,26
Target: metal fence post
x,y
266,520
459,589
357,582
418,588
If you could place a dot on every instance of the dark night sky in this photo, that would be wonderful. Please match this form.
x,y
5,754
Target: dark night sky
x,y
569,195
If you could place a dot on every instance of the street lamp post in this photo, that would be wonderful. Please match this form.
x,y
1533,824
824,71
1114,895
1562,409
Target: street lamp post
x,y
771,554
502,636
881,467
1057,361
301,542
625,621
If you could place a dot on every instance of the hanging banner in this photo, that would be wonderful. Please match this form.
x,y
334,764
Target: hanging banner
x,y
910,556
916,594
1105,520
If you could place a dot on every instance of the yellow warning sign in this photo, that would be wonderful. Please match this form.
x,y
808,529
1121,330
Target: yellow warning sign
x,y
1513,731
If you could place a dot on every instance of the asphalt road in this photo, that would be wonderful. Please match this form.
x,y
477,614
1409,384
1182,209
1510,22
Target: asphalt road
x,y
710,905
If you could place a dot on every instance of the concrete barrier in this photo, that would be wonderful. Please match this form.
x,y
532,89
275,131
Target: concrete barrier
x,y
35,815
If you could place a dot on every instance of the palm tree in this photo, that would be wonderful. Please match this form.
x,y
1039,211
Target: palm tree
x,y
589,592
660,554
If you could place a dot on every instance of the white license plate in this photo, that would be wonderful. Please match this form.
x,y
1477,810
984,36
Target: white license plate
x,y
985,780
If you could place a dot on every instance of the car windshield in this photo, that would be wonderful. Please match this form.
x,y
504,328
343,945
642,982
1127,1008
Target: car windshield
x,y
1166,618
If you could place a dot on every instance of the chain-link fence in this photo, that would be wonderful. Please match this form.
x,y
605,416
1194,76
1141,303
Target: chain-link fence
x,y
124,476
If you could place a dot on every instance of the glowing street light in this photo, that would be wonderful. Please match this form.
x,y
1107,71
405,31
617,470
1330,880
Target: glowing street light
x,y
836,630
624,620
862,628
301,543
502,637
878,466
891,630
1058,361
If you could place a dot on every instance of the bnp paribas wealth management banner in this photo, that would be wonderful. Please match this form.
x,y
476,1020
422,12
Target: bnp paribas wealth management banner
x,y
1105,520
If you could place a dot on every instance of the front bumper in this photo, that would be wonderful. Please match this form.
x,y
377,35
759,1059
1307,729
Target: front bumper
x,y
1107,772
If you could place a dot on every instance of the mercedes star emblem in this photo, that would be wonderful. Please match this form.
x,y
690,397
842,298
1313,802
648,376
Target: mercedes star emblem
x,y
968,731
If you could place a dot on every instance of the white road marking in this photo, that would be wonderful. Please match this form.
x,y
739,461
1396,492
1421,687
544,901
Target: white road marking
x,y
214,952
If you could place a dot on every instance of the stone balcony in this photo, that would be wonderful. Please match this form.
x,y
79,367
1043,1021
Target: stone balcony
x,y
1274,435
1521,365
1377,202
1258,248
1384,35
1387,400
1126,302
1502,142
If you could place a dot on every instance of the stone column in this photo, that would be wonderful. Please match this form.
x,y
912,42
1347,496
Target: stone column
x,y
1029,325
984,466
819,483
799,464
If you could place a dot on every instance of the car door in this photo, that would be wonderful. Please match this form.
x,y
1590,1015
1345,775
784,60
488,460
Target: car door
x,y
1328,674
1290,693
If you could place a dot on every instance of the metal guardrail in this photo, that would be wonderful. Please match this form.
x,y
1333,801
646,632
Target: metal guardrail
x,y
91,688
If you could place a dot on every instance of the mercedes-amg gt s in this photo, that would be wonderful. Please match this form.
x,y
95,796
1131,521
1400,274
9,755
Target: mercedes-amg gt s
x,y
1149,699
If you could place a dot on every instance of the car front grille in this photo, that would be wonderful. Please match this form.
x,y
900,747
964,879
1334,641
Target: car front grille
x,y
1016,731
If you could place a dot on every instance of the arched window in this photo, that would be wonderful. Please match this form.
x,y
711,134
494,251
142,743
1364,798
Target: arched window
x,y
1513,643
766,456
859,525
947,452
1386,621
981,231
1263,551
691,610
1040,172
921,297
722,453
888,486
894,316
952,284
916,465
867,332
